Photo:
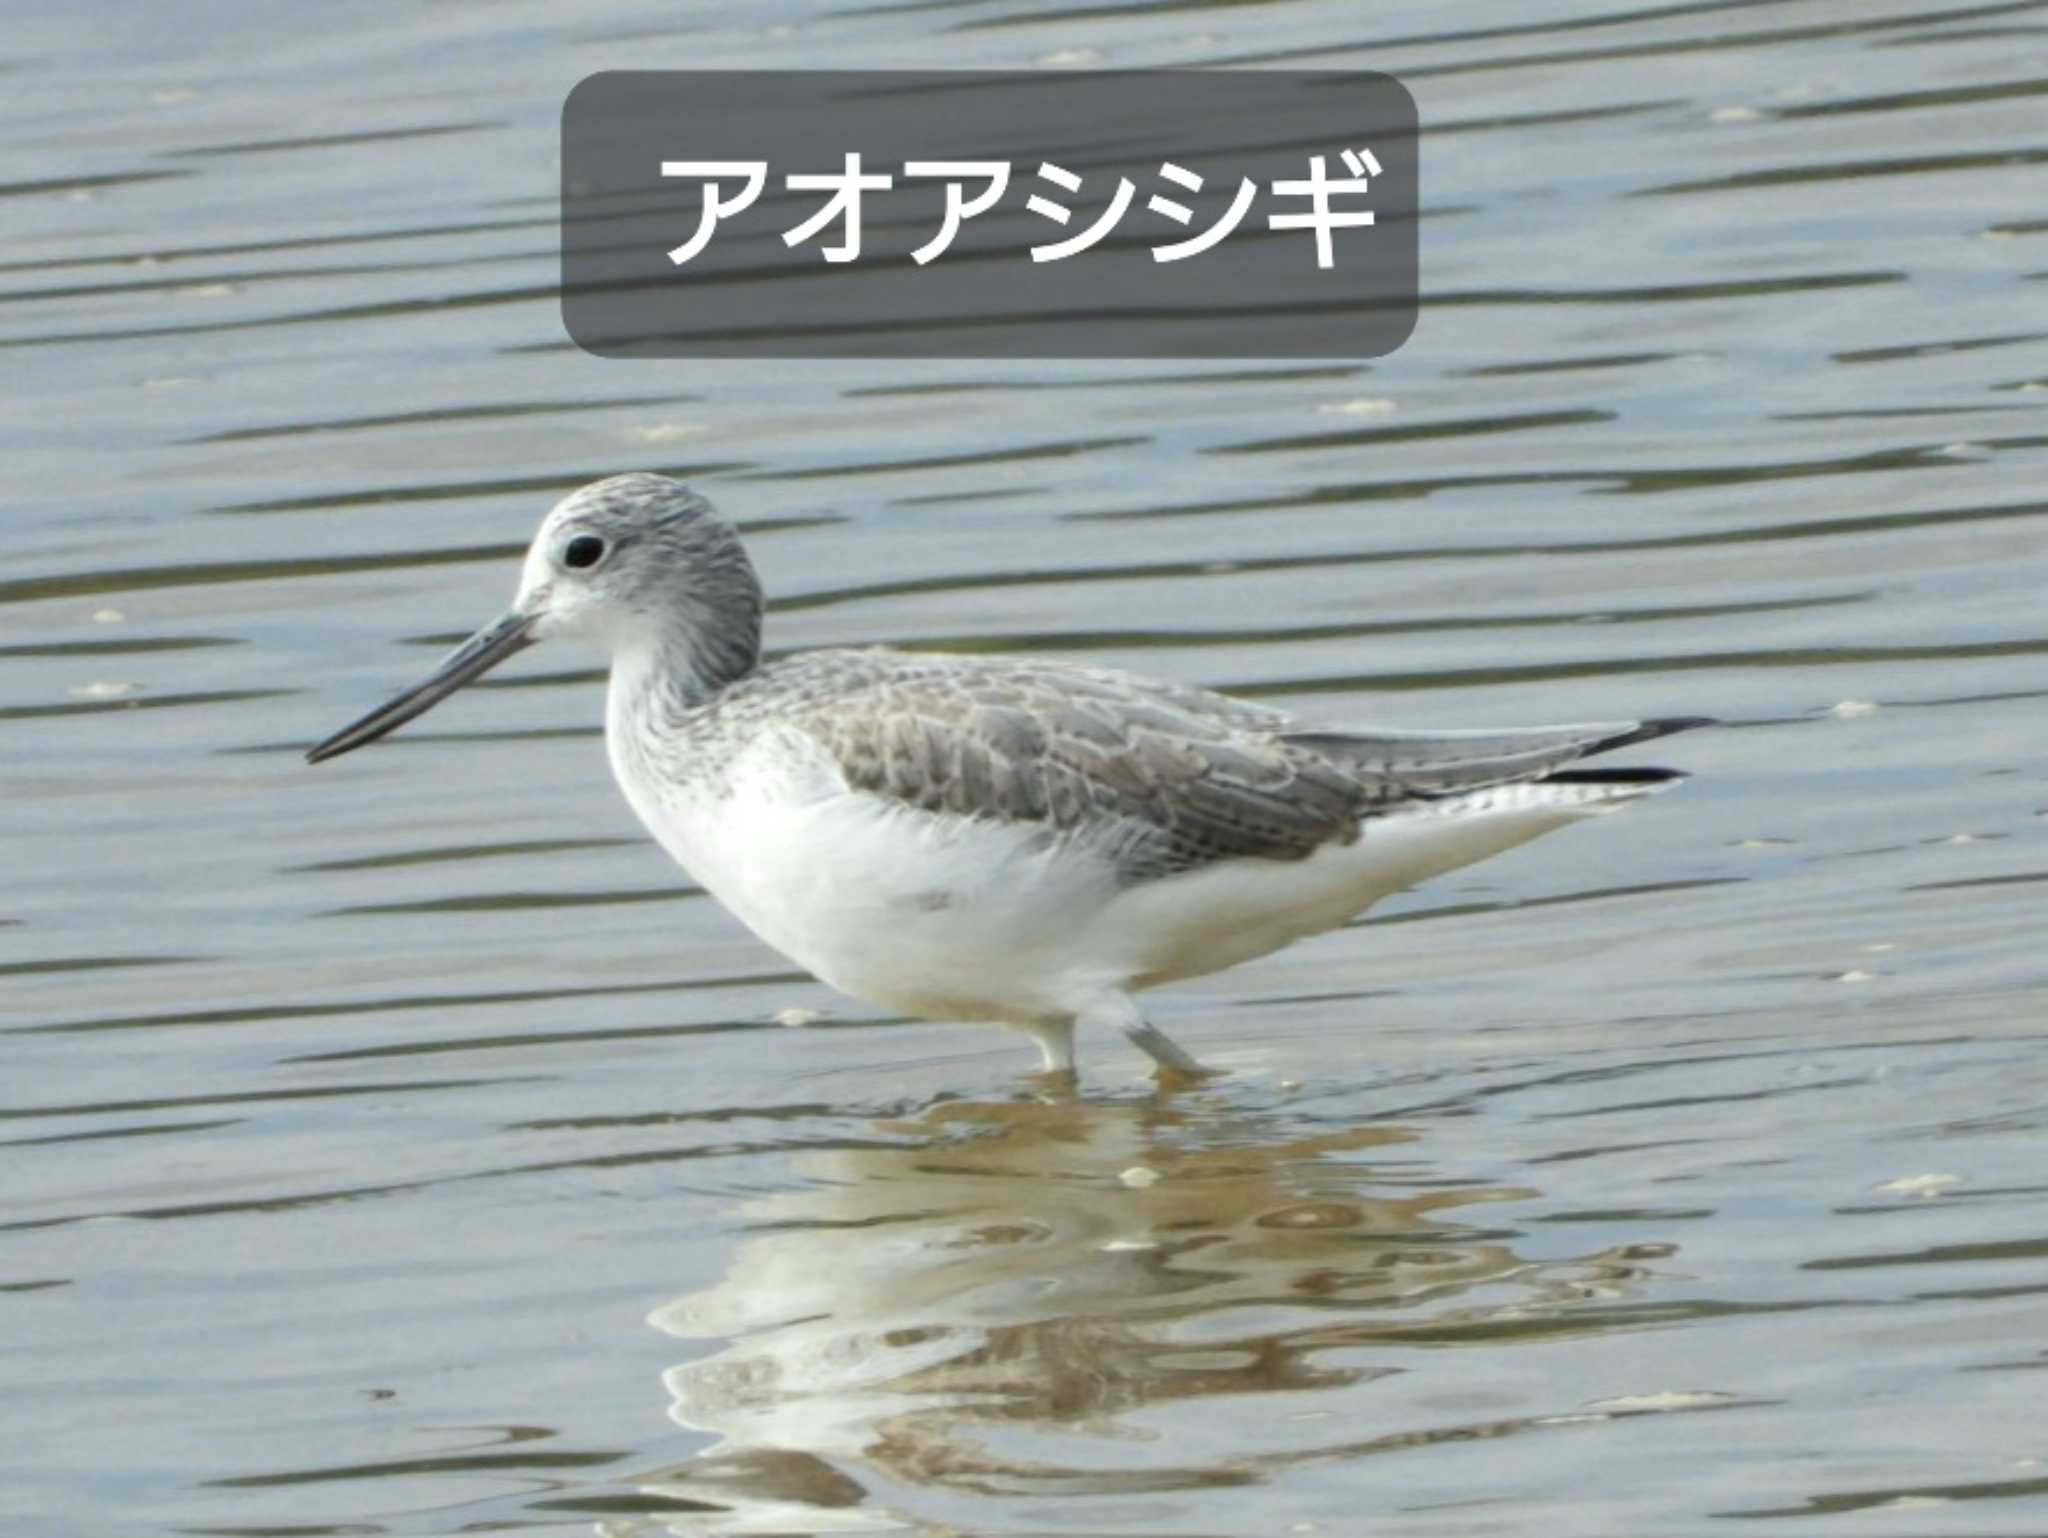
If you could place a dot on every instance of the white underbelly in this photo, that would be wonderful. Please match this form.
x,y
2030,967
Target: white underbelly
x,y
940,917
933,917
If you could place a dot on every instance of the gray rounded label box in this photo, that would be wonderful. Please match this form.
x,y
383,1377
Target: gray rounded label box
x,y
975,214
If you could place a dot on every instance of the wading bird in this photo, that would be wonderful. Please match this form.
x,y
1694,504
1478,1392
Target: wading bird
x,y
995,838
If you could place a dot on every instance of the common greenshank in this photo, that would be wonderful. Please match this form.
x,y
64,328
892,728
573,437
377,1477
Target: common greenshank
x,y
995,837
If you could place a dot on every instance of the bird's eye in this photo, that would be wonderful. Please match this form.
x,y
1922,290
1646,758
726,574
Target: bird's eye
x,y
585,550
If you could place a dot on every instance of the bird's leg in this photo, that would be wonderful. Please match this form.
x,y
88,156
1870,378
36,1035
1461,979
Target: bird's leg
x,y
1055,1038
1121,1011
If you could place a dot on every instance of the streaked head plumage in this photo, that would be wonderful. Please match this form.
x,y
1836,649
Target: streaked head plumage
x,y
631,553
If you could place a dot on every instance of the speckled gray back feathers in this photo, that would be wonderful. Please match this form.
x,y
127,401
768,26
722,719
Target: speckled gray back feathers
x,y
1161,777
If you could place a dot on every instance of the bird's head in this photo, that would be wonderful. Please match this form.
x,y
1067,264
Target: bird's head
x,y
640,565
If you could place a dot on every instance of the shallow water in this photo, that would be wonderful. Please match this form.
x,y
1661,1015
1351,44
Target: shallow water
x,y
405,1147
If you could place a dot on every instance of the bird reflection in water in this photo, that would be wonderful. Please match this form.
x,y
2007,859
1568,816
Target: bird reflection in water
x,y
1000,1304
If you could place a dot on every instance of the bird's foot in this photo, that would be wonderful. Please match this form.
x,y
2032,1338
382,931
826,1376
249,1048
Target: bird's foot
x,y
1053,1084
1194,1075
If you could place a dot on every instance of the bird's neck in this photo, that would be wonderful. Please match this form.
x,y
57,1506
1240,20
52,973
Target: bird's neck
x,y
667,672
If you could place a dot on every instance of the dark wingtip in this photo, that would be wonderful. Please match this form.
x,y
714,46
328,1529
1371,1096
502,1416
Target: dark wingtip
x,y
1615,777
1644,731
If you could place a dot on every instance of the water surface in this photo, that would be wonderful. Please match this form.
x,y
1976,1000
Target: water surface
x,y
405,1147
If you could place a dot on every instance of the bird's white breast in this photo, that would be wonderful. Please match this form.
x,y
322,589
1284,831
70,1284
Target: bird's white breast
x,y
931,914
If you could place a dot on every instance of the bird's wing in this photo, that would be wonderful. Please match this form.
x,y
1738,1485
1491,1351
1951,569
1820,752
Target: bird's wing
x,y
1158,777
1163,777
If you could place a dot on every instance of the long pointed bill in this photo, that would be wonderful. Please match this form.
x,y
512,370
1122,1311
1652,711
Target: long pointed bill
x,y
472,659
